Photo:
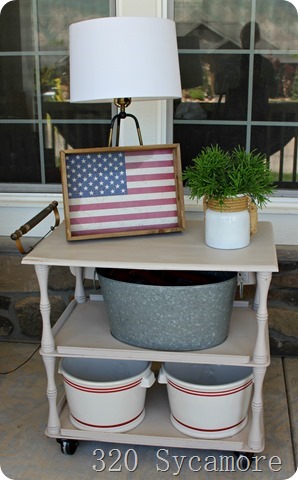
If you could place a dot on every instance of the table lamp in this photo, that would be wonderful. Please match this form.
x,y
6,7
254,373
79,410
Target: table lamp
x,y
120,59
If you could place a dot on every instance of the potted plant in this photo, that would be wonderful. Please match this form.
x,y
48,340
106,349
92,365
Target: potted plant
x,y
233,185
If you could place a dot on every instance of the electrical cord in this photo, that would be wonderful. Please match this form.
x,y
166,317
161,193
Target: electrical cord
x,y
22,364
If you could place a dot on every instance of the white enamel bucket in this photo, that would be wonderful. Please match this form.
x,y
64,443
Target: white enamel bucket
x,y
207,401
106,395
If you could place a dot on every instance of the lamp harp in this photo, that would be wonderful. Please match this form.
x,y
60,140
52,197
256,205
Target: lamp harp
x,y
122,103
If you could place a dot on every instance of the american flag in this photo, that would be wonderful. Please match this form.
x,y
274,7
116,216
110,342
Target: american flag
x,y
121,191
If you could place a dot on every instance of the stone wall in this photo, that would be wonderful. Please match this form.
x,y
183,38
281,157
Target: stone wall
x,y
282,303
20,319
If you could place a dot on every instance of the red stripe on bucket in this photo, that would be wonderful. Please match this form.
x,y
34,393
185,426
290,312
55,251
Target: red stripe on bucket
x,y
210,394
116,425
102,389
208,430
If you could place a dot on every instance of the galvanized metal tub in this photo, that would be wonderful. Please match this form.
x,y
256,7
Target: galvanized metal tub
x,y
187,314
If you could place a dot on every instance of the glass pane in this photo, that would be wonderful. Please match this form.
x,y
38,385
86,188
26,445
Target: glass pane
x,y
17,91
278,22
54,78
280,145
236,87
55,16
229,73
214,24
284,105
16,32
19,154
63,136
193,138
218,24
219,90
54,81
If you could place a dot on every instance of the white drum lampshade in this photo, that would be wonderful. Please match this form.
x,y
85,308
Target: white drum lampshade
x,y
123,57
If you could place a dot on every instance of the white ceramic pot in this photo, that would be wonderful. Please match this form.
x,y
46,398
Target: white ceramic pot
x,y
227,230
207,401
106,395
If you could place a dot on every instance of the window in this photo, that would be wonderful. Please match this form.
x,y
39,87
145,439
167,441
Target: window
x,y
239,73
36,118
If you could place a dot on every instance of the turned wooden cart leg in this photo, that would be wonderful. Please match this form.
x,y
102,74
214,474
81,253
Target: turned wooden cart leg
x,y
261,351
261,359
256,436
48,348
80,295
53,426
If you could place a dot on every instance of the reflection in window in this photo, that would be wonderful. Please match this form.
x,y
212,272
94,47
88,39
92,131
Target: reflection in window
x,y
239,74
54,17
36,118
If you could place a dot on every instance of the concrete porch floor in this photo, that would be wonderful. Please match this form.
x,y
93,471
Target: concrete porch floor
x,y
27,454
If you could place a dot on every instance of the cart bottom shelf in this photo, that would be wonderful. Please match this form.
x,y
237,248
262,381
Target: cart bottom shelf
x,y
156,429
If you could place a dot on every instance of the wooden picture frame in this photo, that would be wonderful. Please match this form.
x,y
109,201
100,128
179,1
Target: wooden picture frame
x,y
122,191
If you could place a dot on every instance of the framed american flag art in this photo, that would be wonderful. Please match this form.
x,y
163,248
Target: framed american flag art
x,y
122,191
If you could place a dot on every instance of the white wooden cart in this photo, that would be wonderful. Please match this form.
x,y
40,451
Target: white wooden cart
x,y
83,330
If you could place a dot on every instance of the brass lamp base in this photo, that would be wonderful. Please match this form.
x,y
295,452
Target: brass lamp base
x,y
122,103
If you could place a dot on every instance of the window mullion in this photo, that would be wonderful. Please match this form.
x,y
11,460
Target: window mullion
x,y
38,91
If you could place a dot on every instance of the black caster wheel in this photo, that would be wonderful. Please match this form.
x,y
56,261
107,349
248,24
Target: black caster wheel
x,y
244,460
68,447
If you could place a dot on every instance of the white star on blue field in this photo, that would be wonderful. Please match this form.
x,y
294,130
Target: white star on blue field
x,y
96,175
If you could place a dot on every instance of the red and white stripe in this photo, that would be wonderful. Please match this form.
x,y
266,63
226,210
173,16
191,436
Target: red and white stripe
x,y
100,391
107,427
208,430
202,393
84,388
150,201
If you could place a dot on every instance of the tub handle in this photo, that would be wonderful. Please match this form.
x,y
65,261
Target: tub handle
x,y
148,380
162,376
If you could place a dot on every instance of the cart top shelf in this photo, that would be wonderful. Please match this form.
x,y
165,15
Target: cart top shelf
x,y
171,251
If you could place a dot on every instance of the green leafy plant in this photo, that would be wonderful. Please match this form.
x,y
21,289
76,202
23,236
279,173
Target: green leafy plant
x,y
219,174
197,93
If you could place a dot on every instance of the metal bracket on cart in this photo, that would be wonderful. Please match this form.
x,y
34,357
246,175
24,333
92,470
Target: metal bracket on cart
x,y
52,207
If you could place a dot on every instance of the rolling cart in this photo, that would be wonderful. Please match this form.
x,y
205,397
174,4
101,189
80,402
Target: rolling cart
x,y
83,329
